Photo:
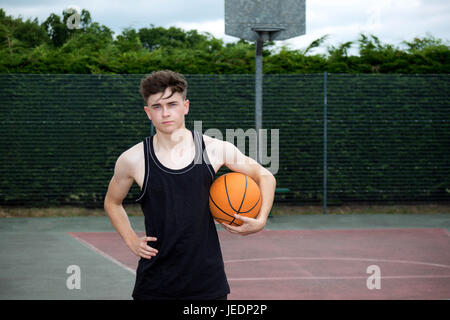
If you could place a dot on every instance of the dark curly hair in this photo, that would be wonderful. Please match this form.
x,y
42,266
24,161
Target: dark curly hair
x,y
159,81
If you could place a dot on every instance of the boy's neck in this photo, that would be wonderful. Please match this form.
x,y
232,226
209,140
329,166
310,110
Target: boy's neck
x,y
179,138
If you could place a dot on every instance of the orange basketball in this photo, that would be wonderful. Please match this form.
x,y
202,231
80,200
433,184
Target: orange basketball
x,y
233,193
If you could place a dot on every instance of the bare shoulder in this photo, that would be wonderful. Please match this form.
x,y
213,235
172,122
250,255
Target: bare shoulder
x,y
215,150
134,154
130,161
217,146
211,142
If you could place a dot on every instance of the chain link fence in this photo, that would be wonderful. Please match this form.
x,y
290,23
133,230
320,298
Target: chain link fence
x,y
387,136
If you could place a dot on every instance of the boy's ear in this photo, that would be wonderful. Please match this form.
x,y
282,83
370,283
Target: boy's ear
x,y
147,111
186,107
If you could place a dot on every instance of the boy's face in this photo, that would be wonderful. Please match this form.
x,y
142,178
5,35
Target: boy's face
x,y
167,110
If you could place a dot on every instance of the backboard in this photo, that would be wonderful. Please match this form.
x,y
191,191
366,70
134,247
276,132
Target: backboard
x,y
283,19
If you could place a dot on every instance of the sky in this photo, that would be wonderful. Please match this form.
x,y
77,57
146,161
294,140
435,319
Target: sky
x,y
392,21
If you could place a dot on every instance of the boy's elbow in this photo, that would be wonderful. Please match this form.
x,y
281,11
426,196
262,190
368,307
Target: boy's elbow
x,y
274,180
269,175
108,203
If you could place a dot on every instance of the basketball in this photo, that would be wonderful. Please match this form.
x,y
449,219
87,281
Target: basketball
x,y
234,193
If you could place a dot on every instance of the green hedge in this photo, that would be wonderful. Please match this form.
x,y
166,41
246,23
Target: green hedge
x,y
388,135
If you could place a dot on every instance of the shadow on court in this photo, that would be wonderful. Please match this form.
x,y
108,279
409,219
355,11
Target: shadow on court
x,y
336,257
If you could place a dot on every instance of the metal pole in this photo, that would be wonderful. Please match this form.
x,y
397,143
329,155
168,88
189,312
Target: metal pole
x,y
258,94
325,143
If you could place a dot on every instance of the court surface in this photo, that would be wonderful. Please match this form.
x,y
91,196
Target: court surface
x,y
379,256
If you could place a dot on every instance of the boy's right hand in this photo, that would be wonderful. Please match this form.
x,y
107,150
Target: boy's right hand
x,y
141,249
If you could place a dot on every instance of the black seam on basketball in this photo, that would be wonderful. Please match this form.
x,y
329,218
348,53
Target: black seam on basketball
x,y
228,197
243,198
219,207
252,207
230,223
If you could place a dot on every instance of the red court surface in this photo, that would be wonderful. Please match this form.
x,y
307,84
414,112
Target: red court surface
x,y
320,264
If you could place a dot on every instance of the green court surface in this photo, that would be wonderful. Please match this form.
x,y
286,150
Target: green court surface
x,y
36,252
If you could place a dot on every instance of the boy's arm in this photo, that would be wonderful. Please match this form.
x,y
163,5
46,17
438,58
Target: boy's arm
x,y
118,189
235,160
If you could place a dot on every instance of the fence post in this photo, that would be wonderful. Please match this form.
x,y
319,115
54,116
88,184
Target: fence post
x,y
325,143
258,95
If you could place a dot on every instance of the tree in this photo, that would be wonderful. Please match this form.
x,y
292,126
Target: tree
x,y
54,47
128,41
57,30
16,34
158,37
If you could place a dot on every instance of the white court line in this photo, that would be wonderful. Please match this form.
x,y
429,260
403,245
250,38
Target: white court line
x,y
342,277
341,259
110,258
337,278
103,254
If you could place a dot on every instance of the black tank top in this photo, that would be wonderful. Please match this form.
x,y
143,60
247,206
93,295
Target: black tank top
x,y
189,262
